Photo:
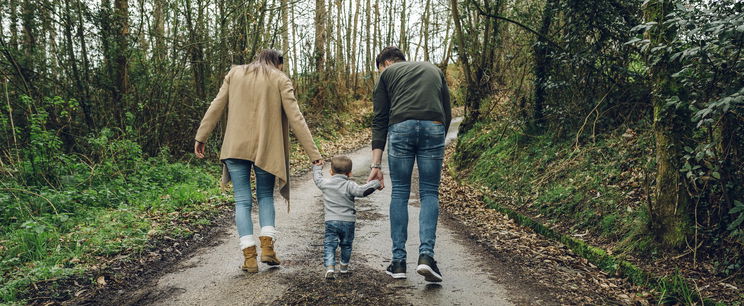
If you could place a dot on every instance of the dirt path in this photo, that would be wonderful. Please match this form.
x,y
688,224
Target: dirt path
x,y
212,275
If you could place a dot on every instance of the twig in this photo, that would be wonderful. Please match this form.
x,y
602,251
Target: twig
x,y
10,116
586,119
33,193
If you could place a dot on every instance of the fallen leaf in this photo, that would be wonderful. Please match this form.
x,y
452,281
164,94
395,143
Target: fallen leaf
x,y
101,280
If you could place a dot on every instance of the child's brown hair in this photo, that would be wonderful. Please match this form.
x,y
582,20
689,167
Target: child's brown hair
x,y
341,164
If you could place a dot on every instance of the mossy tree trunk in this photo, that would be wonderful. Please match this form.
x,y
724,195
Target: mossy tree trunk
x,y
670,221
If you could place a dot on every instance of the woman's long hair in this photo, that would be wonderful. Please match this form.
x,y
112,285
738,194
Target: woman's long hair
x,y
266,60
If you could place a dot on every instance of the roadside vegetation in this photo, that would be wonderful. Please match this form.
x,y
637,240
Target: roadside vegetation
x,y
630,140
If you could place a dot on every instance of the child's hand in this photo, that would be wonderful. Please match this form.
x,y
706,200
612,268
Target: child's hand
x,y
319,162
376,174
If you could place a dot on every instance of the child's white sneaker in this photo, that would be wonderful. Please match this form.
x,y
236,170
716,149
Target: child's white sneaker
x,y
330,274
343,268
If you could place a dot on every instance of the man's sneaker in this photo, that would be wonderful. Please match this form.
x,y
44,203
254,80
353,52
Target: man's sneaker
x,y
397,269
427,267
343,268
330,274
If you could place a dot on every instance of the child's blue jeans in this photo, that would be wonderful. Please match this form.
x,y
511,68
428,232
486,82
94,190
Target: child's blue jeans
x,y
337,233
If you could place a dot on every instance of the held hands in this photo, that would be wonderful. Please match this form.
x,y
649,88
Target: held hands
x,y
199,149
376,174
319,162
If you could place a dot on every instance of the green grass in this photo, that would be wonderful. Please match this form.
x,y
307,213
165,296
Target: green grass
x,y
94,208
579,189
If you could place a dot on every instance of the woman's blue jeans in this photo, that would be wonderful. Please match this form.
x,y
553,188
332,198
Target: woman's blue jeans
x,y
422,142
240,174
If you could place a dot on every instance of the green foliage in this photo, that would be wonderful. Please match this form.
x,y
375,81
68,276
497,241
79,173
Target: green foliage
x,y
706,49
60,212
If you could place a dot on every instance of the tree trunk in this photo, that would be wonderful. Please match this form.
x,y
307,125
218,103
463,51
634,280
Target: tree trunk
x,y
159,30
403,40
29,46
295,58
13,27
425,34
542,65
320,43
285,34
472,101
354,43
257,30
669,214
196,51
121,49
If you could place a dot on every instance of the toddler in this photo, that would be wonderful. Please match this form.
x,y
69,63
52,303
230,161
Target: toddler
x,y
340,216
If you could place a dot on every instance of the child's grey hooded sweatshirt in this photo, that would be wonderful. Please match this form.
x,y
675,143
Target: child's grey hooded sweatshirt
x,y
339,193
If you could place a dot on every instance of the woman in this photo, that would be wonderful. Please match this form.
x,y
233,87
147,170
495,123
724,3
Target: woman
x,y
261,103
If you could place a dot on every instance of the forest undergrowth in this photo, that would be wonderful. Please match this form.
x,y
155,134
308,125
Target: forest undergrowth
x,y
597,192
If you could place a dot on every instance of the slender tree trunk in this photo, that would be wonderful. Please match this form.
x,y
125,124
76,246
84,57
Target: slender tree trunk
x,y
367,33
354,43
13,27
542,65
377,37
448,45
669,214
29,45
403,24
472,101
285,34
159,30
339,44
196,52
121,65
295,58
257,30
425,34
320,43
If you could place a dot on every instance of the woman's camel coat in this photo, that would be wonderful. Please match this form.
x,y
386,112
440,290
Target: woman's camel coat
x,y
261,107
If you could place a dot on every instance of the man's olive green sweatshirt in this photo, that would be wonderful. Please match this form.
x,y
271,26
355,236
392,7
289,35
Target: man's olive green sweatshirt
x,y
406,91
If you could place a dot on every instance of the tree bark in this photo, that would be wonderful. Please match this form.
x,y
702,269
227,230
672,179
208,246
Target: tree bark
x,y
320,43
425,34
472,101
542,64
121,65
669,214
403,41
159,30
285,34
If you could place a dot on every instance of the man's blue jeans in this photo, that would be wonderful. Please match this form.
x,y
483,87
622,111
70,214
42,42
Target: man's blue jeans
x,y
240,174
422,142
337,233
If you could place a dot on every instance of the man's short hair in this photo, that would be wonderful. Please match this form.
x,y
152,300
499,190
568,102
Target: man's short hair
x,y
391,53
341,164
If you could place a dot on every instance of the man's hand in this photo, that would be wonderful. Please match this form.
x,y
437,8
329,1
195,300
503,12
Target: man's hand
x,y
376,174
199,149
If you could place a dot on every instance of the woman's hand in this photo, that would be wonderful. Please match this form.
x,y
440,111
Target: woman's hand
x,y
199,149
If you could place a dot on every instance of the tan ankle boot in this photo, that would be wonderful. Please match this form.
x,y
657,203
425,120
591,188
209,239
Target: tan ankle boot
x,y
268,256
250,264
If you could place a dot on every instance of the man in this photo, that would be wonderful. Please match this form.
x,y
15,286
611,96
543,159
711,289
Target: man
x,y
412,112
